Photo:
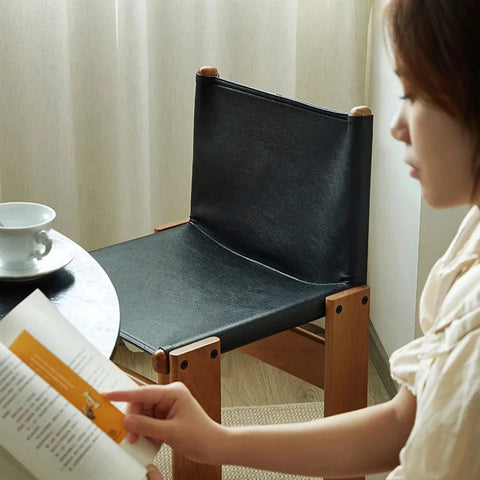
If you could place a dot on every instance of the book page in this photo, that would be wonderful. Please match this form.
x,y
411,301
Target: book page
x,y
11,468
70,386
49,436
37,316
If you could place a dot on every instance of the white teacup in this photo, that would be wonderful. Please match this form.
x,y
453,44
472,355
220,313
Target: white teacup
x,y
24,238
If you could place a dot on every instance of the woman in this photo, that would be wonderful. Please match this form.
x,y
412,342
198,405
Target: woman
x,y
431,429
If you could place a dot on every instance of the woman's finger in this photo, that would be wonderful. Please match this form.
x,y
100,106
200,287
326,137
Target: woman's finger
x,y
149,394
147,426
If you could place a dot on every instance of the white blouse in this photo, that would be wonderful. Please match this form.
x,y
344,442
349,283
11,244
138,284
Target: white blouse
x,y
442,368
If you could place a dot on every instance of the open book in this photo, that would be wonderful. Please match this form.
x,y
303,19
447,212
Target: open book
x,y
54,424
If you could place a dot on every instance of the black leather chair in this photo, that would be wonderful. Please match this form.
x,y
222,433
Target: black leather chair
x,y
277,237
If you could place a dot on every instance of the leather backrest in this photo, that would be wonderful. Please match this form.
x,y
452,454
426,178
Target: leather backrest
x,y
284,183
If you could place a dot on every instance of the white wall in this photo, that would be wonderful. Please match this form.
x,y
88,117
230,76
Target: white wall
x,y
394,208
406,235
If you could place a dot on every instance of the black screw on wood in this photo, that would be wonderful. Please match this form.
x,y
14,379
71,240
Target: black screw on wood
x,y
184,364
364,300
339,309
214,354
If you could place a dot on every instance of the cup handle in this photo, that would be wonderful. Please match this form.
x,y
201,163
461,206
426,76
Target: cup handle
x,y
42,238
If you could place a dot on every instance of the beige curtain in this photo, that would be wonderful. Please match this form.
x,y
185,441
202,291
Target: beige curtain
x,y
96,96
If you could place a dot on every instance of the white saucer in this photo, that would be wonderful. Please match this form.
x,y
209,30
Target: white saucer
x,y
61,255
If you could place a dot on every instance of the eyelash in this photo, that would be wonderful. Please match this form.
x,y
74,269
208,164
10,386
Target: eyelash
x,y
406,97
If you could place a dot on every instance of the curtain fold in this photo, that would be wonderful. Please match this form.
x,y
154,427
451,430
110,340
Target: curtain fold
x,y
96,97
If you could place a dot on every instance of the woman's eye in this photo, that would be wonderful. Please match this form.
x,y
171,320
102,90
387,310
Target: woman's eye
x,y
406,97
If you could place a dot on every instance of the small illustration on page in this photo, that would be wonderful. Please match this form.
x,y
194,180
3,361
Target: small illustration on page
x,y
90,405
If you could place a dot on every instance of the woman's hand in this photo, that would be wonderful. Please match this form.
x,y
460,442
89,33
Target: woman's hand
x,y
170,414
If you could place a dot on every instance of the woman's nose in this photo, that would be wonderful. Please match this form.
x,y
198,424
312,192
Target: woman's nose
x,y
398,126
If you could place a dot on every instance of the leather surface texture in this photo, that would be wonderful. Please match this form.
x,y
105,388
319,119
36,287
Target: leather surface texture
x,y
279,221
179,286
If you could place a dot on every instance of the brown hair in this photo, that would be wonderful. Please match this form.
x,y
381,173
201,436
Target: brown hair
x,y
436,44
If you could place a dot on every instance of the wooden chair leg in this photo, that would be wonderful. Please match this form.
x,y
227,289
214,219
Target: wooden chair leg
x,y
346,350
198,366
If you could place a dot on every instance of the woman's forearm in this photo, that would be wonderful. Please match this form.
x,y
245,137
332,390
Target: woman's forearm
x,y
355,443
